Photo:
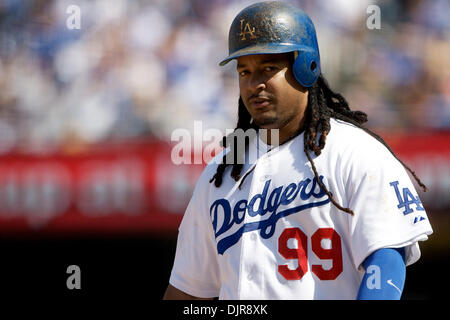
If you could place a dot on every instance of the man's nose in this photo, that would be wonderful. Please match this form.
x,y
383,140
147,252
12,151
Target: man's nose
x,y
257,82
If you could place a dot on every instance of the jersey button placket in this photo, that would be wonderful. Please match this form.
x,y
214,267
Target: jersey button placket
x,y
249,283
252,268
263,170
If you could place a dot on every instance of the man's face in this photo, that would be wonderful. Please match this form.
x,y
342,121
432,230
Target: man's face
x,y
272,96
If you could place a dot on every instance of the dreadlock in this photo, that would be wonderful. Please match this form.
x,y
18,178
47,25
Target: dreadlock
x,y
323,104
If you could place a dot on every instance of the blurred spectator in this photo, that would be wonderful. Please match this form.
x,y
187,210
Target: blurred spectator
x,y
140,69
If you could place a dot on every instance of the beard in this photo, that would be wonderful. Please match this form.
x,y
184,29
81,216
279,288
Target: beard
x,y
273,122
265,121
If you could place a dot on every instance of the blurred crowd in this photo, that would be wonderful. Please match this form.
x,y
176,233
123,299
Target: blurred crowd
x,y
140,69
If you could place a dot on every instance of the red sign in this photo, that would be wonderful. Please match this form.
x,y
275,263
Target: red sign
x,y
132,187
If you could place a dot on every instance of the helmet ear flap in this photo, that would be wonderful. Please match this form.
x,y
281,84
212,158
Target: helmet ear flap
x,y
306,67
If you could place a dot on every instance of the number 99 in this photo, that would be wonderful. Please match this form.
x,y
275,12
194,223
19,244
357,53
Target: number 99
x,y
301,253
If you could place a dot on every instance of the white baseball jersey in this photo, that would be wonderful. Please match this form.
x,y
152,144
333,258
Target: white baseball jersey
x,y
280,237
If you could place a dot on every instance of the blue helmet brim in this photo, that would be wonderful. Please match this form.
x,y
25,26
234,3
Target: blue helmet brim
x,y
264,48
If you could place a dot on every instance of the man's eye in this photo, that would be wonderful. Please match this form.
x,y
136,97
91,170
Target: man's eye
x,y
269,69
243,73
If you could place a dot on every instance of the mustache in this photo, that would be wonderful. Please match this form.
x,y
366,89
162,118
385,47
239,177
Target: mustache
x,y
267,96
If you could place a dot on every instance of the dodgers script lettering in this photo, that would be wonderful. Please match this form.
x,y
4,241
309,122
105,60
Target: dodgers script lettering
x,y
263,204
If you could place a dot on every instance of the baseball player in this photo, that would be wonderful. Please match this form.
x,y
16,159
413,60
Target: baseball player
x,y
328,212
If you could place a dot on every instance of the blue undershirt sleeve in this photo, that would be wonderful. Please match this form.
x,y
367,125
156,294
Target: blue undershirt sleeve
x,y
384,277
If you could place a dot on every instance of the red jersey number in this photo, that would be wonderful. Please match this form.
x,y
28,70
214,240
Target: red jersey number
x,y
300,253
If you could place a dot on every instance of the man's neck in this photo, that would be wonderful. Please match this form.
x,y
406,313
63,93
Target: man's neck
x,y
279,136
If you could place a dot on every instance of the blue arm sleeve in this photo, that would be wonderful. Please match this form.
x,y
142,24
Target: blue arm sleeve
x,y
384,277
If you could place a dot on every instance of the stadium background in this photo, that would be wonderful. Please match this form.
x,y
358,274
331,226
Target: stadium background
x,y
86,118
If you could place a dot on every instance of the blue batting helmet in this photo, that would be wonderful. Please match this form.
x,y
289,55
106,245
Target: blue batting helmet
x,y
276,27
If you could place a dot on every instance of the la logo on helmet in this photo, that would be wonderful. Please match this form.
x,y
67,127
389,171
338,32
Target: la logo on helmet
x,y
247,30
